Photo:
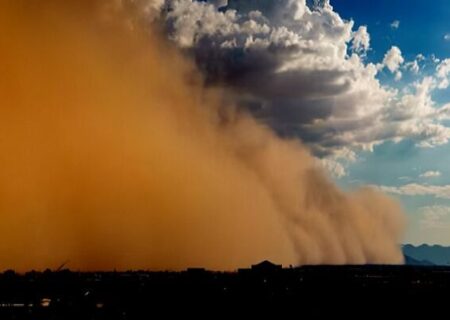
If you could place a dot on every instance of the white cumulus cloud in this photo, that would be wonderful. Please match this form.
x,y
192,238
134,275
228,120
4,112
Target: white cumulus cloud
x,y
431,174
361,40
413,66
393,59
416,189
301,70
442,73
395,24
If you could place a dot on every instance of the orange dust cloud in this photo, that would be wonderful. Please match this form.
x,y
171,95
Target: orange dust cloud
x,y
113,156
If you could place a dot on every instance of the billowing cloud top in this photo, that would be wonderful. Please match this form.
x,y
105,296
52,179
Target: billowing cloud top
x,y
299,67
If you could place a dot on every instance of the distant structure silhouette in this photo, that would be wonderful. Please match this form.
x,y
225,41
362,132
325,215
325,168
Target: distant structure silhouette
x,y
266,266
140,294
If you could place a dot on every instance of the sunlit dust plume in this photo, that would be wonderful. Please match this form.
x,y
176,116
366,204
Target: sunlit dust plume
x,y
113,157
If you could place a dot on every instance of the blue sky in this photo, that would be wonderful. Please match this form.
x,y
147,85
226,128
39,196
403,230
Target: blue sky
x,y
421,29
418,28
423,24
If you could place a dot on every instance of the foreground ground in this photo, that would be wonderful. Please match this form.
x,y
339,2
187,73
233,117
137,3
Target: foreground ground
x,y
142,295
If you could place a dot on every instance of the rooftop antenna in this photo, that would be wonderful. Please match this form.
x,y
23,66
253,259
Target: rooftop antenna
x,y
62,265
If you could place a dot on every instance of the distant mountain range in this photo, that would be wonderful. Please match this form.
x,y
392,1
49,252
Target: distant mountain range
x,y
426,255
